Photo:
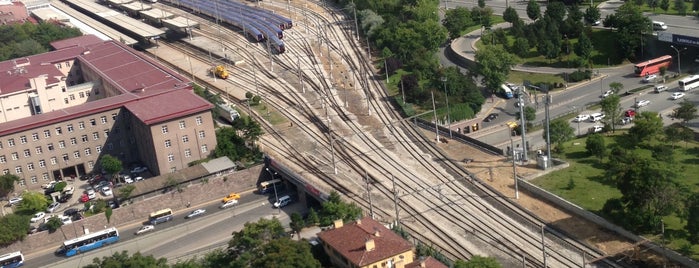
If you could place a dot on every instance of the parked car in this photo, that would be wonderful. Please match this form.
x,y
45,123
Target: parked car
x,y
112,204
596,117
91,194
642,103
145,229
630,113
231,196
139,178
230,203
65,198
15,200
650,78
48,185
84,198
37,217
106,191
596,129
626,120
138,169
128,180
677,95
70,212
581,117
53,207
195,213
69,189
491,117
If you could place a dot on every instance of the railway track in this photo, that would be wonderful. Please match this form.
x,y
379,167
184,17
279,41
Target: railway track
x,y
439,201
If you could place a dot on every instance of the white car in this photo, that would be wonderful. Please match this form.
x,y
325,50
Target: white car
x,y
128,180
69,189
91,194
596,117
650,78
596,129
37,217
106,191
145,229
642,103
138,179
677,95
48,185
582,117
195,213
607,93
230,203
15,200
53,207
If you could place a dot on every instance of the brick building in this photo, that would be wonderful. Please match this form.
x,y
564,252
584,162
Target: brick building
x,y
61,110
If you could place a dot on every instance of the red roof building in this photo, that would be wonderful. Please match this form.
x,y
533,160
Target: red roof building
x,y
61,110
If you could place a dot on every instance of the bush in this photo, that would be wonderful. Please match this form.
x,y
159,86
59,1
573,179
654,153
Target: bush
x,y
579,75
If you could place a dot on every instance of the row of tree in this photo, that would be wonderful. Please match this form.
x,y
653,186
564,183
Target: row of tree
x,y
21,40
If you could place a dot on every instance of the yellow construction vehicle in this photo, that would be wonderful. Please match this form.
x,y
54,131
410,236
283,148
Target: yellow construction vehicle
x,y
220,72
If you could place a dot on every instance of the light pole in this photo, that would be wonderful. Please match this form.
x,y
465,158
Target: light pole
x,y
446,96
274,185
679,62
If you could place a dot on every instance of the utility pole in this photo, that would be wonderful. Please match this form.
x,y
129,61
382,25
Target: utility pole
x,y
514,166
525,158
395,200
434,111
368,193
548,128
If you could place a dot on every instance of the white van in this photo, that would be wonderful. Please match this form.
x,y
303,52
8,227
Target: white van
x,y
659,26
596,117
283,201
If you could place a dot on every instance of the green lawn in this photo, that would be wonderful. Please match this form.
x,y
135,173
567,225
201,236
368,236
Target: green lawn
x,y
517,77
670,11
591,189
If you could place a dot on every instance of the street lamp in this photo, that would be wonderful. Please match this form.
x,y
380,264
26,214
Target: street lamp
x,y
274,185
679,62
446,96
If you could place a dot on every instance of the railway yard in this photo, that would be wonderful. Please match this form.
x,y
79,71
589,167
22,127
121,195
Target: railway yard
x,y
329,118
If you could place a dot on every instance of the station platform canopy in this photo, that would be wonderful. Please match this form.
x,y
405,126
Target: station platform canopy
x,y
118,19
136,7
178,23
157,14
119,2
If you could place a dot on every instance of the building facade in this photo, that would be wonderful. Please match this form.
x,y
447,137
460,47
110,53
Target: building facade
x,y
61,111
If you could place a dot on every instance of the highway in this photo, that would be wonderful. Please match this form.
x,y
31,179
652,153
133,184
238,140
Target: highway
x,y
180,238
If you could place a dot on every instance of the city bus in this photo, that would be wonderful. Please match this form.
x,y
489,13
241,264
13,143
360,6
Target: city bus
x,y
88,242
11,260
652,66
689,82
506,91
160,216
268,186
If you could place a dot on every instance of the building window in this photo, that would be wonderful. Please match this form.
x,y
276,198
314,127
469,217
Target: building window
x,y
74,141
72,96
2,159
82,94
90,164
59,131
199,121
53,160
170,157
187,153
70,128
164,129
88,151
45,176
182,125
96,135
5,171
30,166
114,115
18,170
50,146
106,133
204,149
76,154
103,119
39,150
23,139
34,180
61,144
42,163
185,139
47,134
11,142
84,138
98,148
110,146
27,153
65,157
81,125
58,65
202,134
35,136
173,169
168,144
15,156
65,100
93,122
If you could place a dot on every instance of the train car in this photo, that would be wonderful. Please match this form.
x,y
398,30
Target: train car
x,y
212,10
265,15
255,19
226,112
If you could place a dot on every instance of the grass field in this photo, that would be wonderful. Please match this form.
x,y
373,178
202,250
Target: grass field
x,y
585,184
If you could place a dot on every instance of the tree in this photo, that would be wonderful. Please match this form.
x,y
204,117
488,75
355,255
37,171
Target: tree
x,y
631,24
125,191
592,14
335,209
54,223
108,213
255,234
481,3
665,5
313,218
510,15
123,260
616,87
60,186
297,223
647,126
560,132
456,21
529,114
33,202
7,184
14,228
533,10
652,4
595,145
556,11
681,7
686,112
692,226
111,165
584,47
494,64
521,47
695,5
478,262
285,253
672,134
611,107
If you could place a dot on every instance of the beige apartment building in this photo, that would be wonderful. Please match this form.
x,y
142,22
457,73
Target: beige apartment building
x,y
61,111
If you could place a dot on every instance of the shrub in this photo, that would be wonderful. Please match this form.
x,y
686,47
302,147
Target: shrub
x,y
579,75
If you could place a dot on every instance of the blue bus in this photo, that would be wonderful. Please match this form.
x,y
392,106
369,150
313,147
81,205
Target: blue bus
x,y
11,260
89,242
506,91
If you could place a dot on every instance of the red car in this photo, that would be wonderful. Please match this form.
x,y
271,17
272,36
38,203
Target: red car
x,y
84,198
630,113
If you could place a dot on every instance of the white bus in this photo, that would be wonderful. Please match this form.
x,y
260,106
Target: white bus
x,y
689,82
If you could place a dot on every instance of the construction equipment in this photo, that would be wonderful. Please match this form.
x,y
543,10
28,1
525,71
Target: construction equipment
x,y
220,72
